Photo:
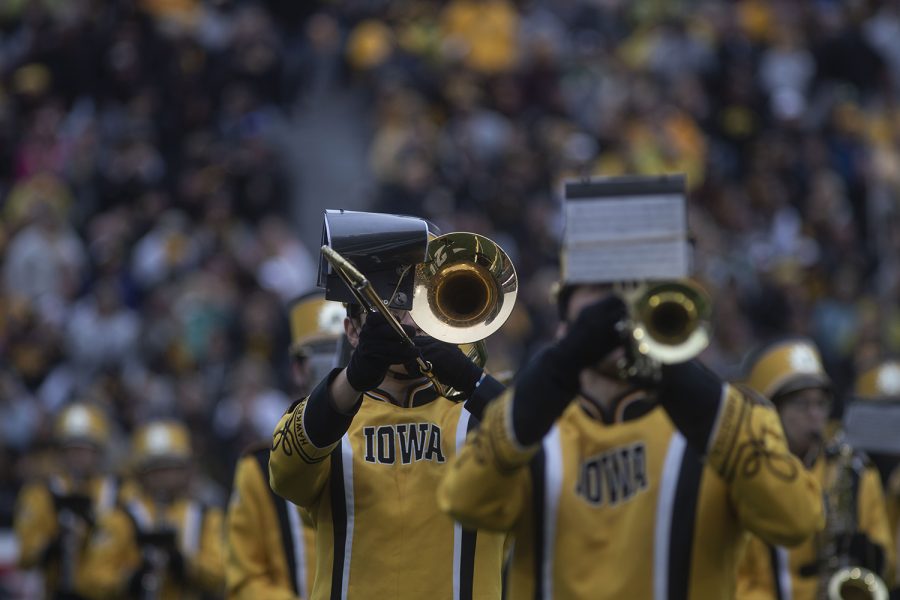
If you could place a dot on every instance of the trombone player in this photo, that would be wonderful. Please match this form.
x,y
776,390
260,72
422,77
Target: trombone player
x,y
623,487
365,450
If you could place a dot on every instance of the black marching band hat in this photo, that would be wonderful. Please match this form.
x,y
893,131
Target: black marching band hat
x,y
384,248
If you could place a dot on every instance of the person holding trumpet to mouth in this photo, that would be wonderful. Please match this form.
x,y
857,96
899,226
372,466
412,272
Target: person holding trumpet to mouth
x,y
365,451
622,466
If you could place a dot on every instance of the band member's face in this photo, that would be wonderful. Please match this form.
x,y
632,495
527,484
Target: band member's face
x,y
166,483
804,415
81,460
582,297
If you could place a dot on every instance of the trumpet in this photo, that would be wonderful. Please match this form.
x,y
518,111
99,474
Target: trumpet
x,y
667,323
463,291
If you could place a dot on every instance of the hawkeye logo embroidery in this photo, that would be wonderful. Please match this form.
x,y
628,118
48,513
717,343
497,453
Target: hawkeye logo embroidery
x,y
614,476
404,443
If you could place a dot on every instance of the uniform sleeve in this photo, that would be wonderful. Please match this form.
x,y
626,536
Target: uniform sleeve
x,y
873,520
247,572
111,558
487,482
298,469
206,567
774,496
755,580
35,524
486,390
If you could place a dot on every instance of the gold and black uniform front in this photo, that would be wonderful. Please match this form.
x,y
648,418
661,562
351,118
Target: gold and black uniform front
x,y
370,490
647,493
630,509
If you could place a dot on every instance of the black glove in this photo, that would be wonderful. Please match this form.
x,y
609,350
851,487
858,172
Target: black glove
x,y
166,542
592,336
379,347
79,504
548,383
449,364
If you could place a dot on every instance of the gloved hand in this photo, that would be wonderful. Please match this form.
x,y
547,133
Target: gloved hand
x,y
78,504
592,336
449,364
548,383
161,553
379,347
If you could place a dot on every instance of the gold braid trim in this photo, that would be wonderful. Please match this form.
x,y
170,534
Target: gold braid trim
x,y
292,438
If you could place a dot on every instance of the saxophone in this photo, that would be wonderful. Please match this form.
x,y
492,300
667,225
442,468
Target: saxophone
x,y
839,578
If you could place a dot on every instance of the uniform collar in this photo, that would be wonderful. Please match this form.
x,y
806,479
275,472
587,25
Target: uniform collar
x,y
629,407
415,396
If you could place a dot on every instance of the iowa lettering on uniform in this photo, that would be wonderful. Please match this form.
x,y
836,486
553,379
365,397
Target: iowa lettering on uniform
x,y
614,476
404,443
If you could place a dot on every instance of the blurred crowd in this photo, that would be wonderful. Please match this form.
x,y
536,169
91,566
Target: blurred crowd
x,y
146,237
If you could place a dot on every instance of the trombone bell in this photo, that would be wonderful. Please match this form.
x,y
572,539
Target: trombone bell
x,y
465,290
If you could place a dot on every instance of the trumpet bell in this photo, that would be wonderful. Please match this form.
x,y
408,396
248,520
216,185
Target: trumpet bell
x,y
672,323
465,290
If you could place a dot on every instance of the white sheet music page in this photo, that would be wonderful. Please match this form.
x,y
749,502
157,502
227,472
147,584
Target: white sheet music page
x,y
625,229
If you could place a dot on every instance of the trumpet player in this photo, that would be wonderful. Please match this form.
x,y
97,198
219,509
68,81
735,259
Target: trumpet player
x,y
615,488
54,517
160,543
856,534
270,549
364,451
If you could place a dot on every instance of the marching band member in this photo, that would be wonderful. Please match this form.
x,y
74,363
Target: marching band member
x,y
621,490
161,543
791,374
53,517
364,452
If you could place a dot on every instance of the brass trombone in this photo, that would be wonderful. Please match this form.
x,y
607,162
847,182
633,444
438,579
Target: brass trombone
x,y
667,323
463,291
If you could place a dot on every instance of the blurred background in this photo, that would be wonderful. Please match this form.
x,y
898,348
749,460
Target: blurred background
x,y
164,165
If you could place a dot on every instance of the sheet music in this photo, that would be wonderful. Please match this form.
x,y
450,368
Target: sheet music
x,y
631,236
